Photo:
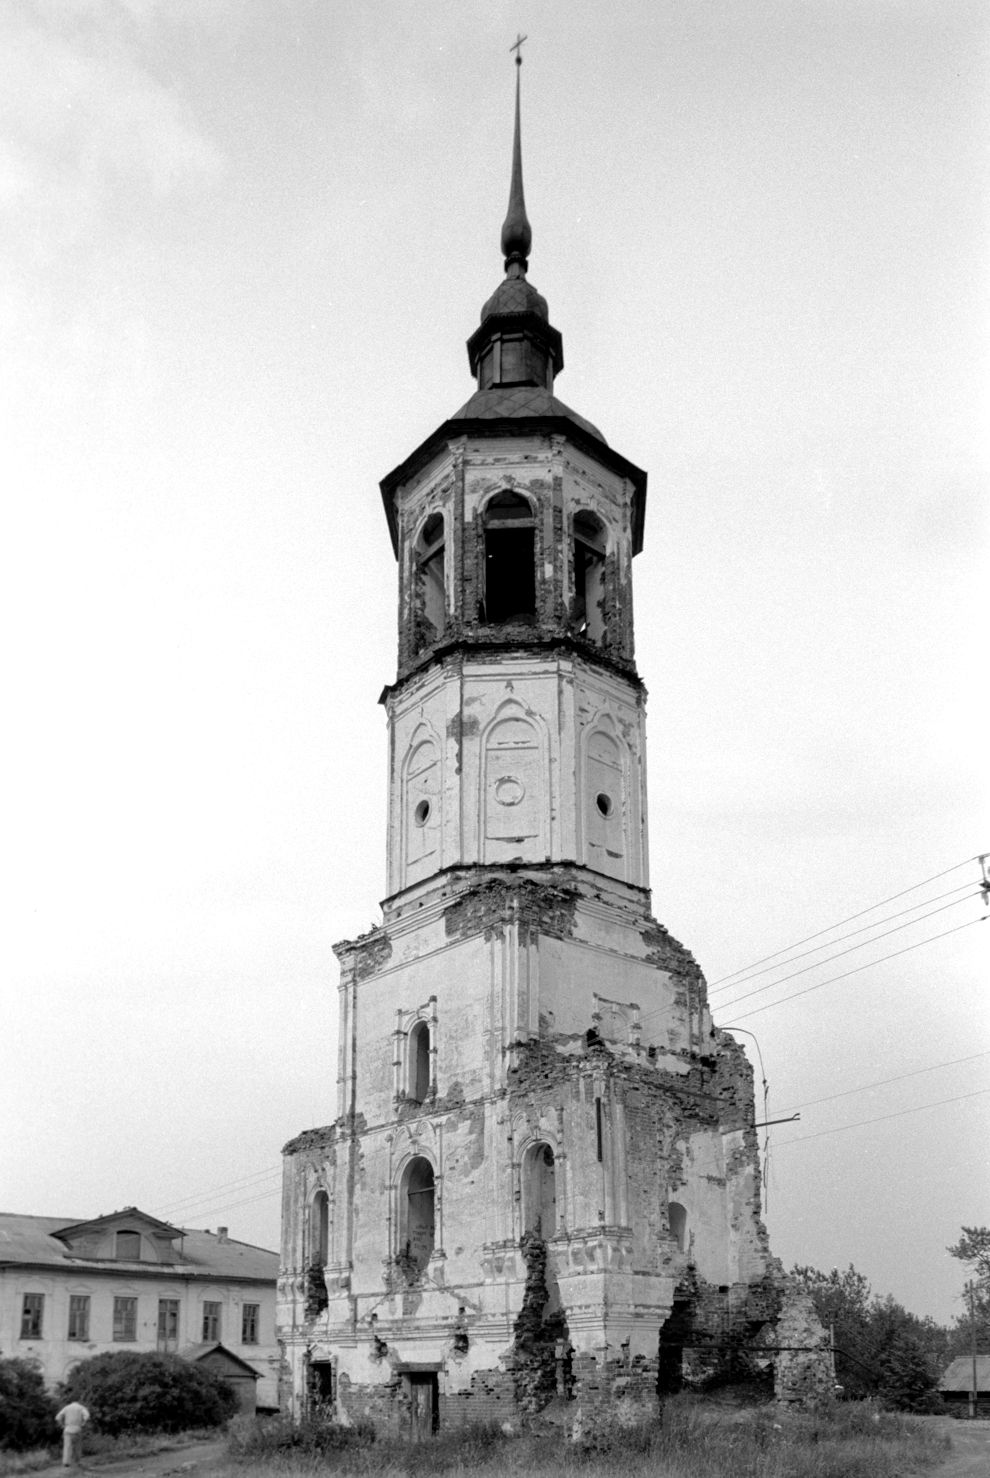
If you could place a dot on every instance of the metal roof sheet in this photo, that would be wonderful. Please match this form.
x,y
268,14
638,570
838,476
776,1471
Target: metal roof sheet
x,y
31,1240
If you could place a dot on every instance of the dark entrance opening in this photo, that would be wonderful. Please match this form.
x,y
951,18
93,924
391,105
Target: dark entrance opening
x,y
423,1391
320,1384
673,1334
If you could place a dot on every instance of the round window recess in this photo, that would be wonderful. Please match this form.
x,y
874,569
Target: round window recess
x,y
509,790
421,815
604,803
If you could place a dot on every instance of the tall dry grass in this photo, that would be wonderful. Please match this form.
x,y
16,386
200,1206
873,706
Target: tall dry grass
x,y
694,1440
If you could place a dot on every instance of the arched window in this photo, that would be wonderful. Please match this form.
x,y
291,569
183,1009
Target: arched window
x,y
678,1224
320,1230
589,576
419,1062
510,546
431,592
539,1190
128,1246
416,1213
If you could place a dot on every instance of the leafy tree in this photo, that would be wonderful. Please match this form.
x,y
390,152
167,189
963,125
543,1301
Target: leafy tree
x,y
973,1247
881,1349
842,1302
906,1381
130,1392
27,1412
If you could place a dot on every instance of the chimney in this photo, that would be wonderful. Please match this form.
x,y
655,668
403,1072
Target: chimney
x,y
222,1235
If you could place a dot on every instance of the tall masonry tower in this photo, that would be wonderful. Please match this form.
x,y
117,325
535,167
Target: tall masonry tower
x,y
542,1178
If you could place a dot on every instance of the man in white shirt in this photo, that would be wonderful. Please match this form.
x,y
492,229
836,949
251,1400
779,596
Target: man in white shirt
x,y
72,1418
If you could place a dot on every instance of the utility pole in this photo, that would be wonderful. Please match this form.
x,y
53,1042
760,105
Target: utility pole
x,y
971,1290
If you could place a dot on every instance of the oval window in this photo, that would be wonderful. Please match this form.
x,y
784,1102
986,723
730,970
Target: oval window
x,y
421,815
604,803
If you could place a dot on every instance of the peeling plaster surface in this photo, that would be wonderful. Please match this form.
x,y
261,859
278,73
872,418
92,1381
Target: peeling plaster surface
x,y
541,1143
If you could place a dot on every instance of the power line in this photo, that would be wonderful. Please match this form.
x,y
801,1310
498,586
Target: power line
x,y
851,935
231,1185
882,1082
744,969
832,978
231,1205
918,1109
840,953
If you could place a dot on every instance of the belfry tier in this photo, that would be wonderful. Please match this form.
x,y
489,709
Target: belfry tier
x,y
517,718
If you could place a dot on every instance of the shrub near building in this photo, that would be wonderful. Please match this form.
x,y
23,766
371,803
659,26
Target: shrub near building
x,y
129,1392
27,1412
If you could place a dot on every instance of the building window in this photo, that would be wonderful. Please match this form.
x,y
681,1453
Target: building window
x,y
124,1319
79,1316
32,1315
250,1317
589,576
417,1228
431,589
128,1246
539,1188
211,1321
419,1062
168,1323
510,546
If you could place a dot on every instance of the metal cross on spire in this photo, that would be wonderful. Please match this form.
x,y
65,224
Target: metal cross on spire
x,y
516,47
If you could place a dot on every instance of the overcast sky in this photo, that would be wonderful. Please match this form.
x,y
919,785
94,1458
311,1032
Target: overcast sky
x,y
243,243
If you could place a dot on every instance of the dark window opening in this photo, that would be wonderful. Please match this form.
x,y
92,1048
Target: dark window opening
x,y
589,576
79,1316
124,1319
320,1230
598,1129
419,1062
510,574
168,1324
128,1246
211,1321
417,1227
32,1315
431,578
250,1315
678,1224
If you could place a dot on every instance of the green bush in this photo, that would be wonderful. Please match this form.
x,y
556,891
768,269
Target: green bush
x,y
129,1392
27,1412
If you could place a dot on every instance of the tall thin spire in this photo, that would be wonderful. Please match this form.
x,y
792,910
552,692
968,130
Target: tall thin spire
x,y
517,234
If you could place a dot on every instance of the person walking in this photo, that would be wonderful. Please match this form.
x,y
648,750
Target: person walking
x,y
72,1418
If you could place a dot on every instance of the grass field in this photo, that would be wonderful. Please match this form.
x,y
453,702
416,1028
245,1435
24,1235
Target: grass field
x,y
694,1440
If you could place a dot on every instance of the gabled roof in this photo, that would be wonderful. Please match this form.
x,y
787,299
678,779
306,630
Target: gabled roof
x,y
31,1241
193,1353
130,1216
959,1376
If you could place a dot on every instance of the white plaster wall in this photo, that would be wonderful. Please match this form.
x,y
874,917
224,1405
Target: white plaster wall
x,y
56,1353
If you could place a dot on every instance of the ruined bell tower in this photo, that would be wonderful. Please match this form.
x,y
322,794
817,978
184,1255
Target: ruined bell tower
x,y
543,1167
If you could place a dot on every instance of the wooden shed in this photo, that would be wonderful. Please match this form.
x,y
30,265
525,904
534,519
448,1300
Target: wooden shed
x,y
956,1386
242,1376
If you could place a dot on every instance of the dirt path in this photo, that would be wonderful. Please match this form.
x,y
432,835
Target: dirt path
x,y
970,1456
190,1458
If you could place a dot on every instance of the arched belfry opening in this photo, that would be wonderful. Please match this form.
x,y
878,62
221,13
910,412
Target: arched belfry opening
x,y
430,580
420,1062
539,1190
589,576
320,1230
417,1213
509,554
